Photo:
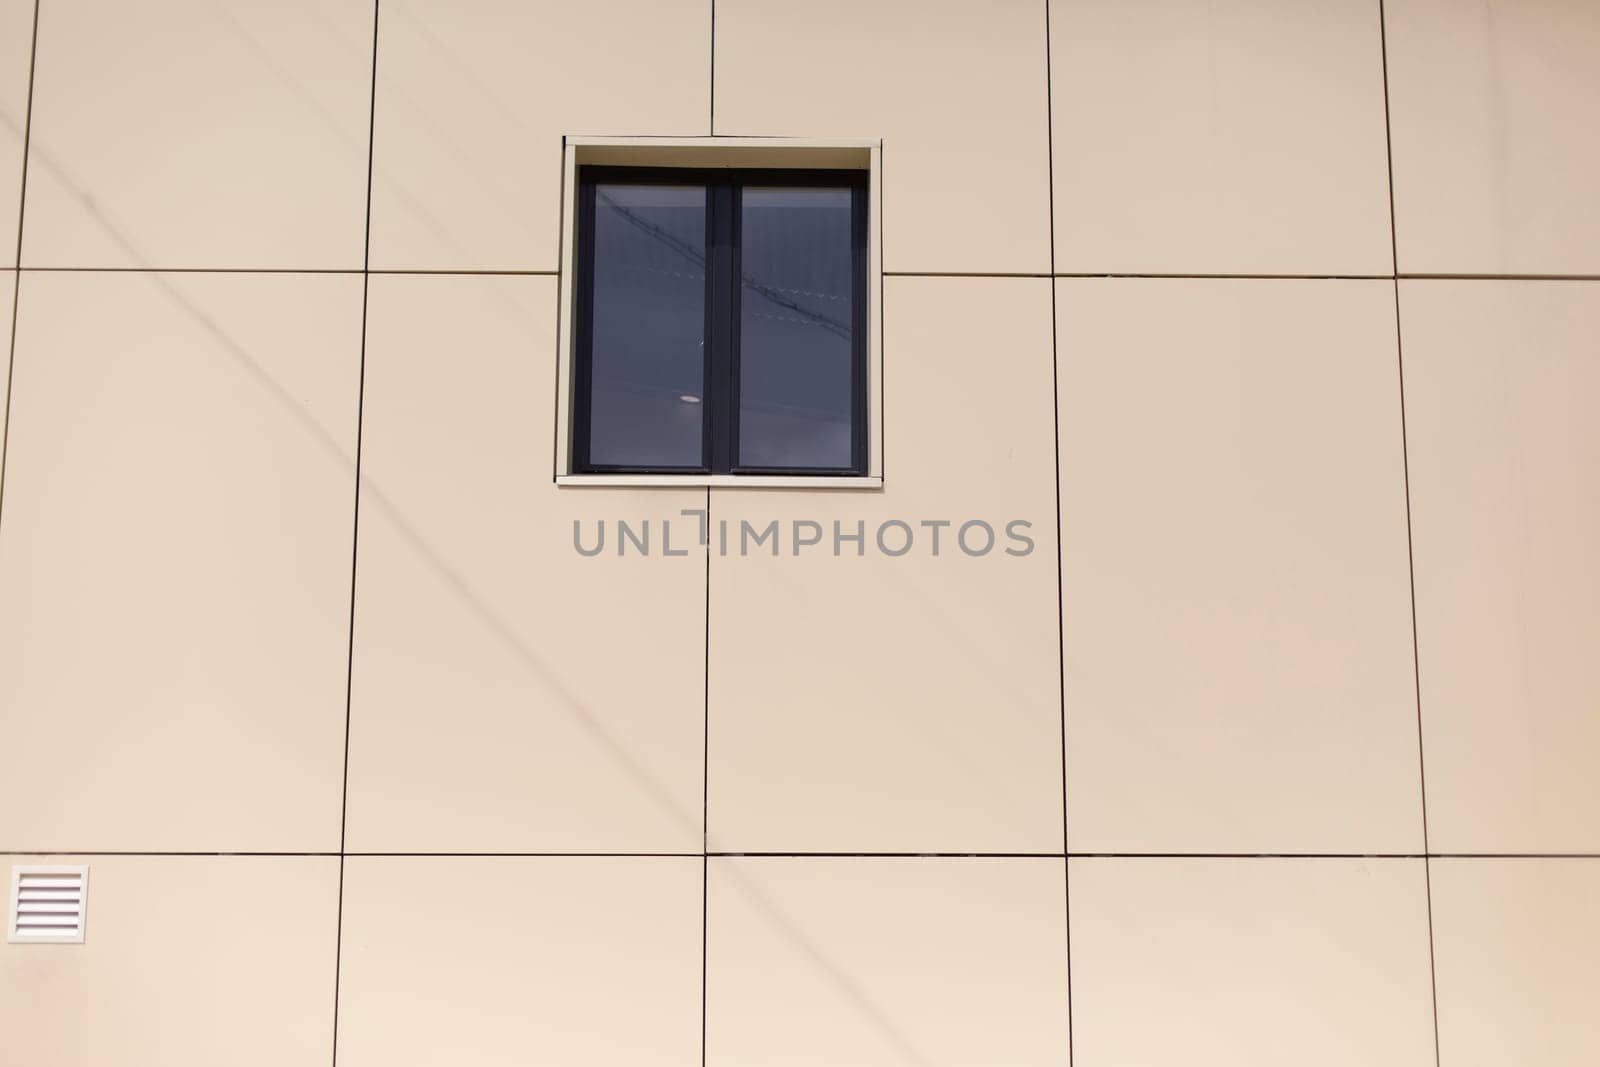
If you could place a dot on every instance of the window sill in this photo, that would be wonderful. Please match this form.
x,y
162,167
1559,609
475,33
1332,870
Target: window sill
x,y
722,481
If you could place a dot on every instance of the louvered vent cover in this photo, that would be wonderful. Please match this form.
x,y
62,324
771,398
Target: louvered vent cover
x,y
48,903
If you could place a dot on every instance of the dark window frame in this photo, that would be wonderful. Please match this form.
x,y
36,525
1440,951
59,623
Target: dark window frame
x,y
719,436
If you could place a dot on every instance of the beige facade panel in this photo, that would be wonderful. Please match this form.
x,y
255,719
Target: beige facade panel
x,y
1495,165
1250,962
188,961
474,98
1238,137
181,133
886,961
1504,445
8,289
508,694
16,53
957,91
175,561
904,703
515,960
1235,592
1517,953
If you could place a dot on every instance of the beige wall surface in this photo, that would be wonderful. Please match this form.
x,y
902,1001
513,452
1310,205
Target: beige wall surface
x,y
183,134
189,960
16,46
1275,321
1236,607
8,292
517,959
1501,378
175,563
1237,136
1517,950
1493,169
1251,961
885,960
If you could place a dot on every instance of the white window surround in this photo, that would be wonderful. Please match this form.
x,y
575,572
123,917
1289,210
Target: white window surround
x,y
733,153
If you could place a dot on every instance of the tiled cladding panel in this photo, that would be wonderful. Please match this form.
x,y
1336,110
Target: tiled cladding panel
x,y
508,695
1237,136
886,961
491,960
1517,955
16,46
1235,596
1250,962
869,703
175,565
188,961
955,89
1501,380
1493,104
467,141
190,133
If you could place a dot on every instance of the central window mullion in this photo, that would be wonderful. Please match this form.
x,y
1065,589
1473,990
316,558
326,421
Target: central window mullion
x,y
722,296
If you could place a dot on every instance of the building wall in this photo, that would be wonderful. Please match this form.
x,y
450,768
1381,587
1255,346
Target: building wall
x,y
1276,320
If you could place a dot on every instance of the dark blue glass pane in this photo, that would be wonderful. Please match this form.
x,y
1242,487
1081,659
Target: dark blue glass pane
x,y
648,360
796,371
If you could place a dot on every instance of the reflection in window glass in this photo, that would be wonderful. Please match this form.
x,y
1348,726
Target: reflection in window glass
x,y
647,366
796,365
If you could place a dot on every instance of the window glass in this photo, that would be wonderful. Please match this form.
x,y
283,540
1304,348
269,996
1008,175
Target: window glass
x,y
796,349
648,328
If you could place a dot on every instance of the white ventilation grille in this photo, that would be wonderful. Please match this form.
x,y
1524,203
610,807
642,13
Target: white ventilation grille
x,y
48,903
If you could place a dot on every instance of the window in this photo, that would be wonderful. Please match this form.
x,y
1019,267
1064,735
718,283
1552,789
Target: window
x,y
720,322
